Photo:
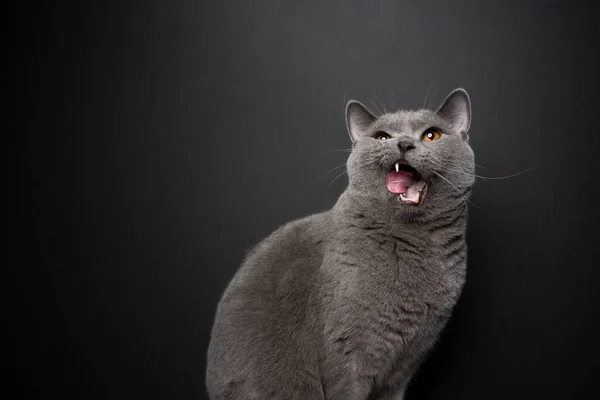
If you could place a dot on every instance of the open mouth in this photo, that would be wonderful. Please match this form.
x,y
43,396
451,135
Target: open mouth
x,y
406,181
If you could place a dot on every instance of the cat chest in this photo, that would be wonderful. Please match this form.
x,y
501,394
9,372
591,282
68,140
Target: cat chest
x,y
383,328
395,295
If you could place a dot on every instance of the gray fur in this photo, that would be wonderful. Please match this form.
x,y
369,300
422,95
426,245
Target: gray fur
x,y
345,304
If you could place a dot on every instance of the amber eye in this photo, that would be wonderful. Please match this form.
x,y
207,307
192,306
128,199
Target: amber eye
x,y
382,136
431,135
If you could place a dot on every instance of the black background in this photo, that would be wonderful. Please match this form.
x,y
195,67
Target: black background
x,y
148,145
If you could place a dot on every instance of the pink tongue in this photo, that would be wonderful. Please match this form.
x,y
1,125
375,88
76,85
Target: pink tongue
x,y
398,182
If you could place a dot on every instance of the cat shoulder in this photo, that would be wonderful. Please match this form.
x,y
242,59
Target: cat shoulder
x,y
294,242
294,234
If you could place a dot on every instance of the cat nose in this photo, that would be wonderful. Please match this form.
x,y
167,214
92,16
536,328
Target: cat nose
x,y
406,144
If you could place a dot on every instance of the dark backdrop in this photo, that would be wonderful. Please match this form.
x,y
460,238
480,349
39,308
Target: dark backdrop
x,y
148,145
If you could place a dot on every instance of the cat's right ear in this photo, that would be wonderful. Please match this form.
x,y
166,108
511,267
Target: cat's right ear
x,y
358,120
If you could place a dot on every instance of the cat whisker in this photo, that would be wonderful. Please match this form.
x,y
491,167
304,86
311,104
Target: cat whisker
x,y
432,97
487,177
435,185
346,171
382,105
460,166
331,170
378,110
333,150
427,94
457,189
491,178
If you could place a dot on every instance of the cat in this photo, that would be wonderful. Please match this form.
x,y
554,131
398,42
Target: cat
x,y
345,304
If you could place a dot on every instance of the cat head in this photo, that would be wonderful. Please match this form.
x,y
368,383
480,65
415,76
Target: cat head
x,y
412,160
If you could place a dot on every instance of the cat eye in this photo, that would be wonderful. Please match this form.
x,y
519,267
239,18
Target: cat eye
x,y
382,136
430,135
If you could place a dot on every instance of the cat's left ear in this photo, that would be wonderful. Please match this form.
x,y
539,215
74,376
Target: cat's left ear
x,y
358,120
456,109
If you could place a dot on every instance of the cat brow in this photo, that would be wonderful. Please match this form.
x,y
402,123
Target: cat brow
x,y
420,125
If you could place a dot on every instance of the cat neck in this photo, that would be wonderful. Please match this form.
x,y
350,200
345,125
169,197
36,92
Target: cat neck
x,y
357,209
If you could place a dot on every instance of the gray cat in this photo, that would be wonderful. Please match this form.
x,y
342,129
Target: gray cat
x,y
344,305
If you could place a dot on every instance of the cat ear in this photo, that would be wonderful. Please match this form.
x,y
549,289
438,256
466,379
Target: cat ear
x,y
456,109
358,120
